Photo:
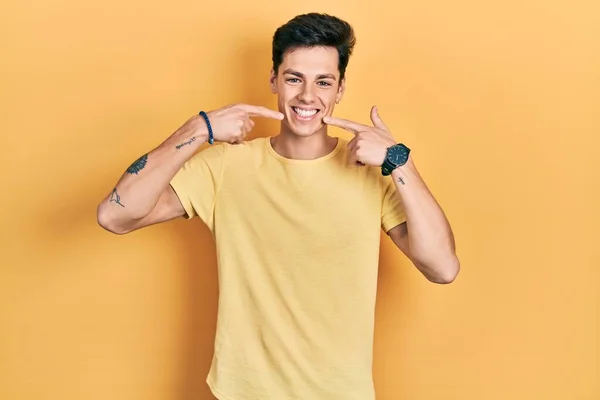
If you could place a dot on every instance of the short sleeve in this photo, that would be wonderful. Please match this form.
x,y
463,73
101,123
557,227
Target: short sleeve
x,y
196,184
392,211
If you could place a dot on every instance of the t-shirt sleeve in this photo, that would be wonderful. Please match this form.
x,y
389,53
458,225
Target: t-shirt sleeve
x,y
392,211
197,183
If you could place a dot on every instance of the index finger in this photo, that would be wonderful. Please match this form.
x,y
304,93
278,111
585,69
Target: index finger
x,y
348,125
260,111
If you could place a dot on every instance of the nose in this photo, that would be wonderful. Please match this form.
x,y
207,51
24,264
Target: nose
x,y
307,94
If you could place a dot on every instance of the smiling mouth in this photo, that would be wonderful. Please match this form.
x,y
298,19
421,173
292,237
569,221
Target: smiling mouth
x,y
305,113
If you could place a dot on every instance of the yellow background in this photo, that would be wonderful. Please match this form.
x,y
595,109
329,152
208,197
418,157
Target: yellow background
x,y
499,100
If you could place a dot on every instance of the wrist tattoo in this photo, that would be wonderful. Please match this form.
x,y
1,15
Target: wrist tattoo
x,y
114,196
185,143
138,165
401,180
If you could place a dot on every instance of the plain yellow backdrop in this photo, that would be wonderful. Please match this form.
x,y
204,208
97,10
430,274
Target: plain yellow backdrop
x,y
499,101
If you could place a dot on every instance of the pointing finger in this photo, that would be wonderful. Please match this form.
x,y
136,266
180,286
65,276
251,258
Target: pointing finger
x,y
260,111
348,125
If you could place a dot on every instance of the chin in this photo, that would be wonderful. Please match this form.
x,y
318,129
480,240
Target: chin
x,y
305,121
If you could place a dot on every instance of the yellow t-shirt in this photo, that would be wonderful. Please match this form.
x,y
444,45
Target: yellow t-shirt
x,y
298,252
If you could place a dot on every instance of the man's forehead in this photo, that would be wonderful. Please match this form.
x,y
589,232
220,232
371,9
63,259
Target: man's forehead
x,y
311,61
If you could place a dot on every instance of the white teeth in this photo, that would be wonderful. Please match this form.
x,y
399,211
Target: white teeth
x,y
305,113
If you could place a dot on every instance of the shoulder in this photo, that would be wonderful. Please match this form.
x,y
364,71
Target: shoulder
x,y
220,150
247,147
242,153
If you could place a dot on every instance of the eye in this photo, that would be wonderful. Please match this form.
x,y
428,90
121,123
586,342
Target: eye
x,y
292,80
324,83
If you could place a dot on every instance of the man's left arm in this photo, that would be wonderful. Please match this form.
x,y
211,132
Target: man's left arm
x,y
426,237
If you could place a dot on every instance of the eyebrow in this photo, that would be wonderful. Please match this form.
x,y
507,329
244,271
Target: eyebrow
x,y
301,75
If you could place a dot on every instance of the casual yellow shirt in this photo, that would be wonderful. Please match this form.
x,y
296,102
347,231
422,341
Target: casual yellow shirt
x,y
298,252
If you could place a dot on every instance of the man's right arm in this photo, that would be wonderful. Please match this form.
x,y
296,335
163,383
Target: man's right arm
x,y
143,195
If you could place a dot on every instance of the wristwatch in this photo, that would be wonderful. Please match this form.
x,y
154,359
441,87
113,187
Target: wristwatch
x,y
397,155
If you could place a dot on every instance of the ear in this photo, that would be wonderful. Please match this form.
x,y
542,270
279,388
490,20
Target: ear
x,y
273,82
341,90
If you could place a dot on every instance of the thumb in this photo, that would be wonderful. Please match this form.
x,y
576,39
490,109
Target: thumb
x,y
377,121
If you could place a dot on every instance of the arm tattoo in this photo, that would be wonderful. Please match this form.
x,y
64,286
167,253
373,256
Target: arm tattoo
x,y
138,165
114,196
184,143
401,180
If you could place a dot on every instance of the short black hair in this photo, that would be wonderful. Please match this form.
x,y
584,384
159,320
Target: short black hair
x,y
311,30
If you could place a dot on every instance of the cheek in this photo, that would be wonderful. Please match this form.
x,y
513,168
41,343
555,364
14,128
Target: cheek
x,y
286,94
328,99
283,99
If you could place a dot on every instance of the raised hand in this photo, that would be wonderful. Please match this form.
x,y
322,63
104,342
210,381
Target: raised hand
x,y
230,124
369,144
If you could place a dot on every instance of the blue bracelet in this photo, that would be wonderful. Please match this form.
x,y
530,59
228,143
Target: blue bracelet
x,y
211,138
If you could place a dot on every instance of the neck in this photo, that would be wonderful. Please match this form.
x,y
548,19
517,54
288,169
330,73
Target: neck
x,y
290,145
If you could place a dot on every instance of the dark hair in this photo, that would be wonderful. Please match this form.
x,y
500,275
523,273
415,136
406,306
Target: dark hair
x,y
314,29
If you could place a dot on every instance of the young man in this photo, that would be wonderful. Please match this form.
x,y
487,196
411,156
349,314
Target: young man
x,y
296,219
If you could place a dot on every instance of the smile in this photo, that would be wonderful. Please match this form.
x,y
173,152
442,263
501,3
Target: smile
x,y
305,113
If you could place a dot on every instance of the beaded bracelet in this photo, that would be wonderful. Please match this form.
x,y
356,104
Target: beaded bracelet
x,y
211,138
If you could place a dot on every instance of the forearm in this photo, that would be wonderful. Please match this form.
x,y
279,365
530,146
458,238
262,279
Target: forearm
x,y
138,190
430,238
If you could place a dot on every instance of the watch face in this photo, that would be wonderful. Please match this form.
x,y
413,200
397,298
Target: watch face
x,y
397,154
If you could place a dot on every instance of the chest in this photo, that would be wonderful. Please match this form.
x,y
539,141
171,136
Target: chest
x,y
312,202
